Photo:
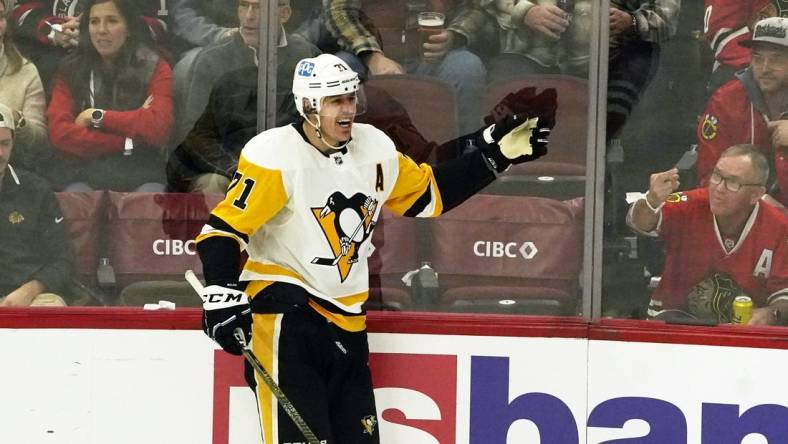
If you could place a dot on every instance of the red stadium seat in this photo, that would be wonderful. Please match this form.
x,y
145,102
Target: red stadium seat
x,y
430,103
83,218
151,244
395,254
567,149
509,254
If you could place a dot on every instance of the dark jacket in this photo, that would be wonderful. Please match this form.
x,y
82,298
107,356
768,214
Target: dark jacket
x,y
214,61
33,239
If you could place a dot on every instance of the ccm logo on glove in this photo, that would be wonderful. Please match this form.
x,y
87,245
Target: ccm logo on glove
x,y
214,298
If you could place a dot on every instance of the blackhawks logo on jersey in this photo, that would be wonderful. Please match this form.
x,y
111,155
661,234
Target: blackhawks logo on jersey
x,y
346,224
710,127
676,198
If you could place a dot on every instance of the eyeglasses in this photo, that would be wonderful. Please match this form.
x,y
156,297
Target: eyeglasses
x,y
775,62
730,183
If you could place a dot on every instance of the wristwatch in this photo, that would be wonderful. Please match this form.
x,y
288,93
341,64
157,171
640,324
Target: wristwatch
x,y
97,118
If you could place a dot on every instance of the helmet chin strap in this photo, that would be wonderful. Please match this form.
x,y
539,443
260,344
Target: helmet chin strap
x,y
320,134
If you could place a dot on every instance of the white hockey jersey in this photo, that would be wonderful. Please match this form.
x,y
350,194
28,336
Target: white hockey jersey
x,y
306,218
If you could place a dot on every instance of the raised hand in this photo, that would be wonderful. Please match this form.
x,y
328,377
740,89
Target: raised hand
x,y
661,185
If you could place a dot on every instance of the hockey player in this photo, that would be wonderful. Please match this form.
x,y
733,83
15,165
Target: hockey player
x,y
303,204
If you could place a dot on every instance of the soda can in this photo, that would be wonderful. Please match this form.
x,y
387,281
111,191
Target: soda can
x,y
742,309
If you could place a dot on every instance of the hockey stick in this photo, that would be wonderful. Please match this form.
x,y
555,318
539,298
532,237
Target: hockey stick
x,y
287,406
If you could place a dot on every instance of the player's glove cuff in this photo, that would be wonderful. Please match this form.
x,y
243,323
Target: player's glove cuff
x,y
224,310
516,139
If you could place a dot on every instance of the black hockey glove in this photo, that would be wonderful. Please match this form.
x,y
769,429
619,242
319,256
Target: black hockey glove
x,y
528,138
224,310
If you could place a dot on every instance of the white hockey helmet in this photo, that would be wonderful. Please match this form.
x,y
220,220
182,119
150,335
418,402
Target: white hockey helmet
x,y
322,76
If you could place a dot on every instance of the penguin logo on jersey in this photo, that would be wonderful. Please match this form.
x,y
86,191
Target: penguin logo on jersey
x,y
346,224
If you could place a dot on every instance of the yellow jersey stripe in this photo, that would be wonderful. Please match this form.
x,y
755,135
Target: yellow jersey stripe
x,y
202,236
255,195
354,298
265,346
412,182
271,269
355,323
255,287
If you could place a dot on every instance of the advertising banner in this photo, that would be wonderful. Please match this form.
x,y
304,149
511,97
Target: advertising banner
x,y
89,386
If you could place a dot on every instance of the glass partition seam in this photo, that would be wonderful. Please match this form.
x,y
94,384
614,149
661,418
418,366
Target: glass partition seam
x,y
594,204
268,27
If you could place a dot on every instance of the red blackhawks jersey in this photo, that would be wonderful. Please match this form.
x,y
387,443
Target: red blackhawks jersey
x,y
728,22
736,114
757,262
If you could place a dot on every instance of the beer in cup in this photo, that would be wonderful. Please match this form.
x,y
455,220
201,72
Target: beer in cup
x,y
429,23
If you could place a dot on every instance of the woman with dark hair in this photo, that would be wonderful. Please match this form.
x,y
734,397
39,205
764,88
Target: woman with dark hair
x,y
111,109
23,93
48,30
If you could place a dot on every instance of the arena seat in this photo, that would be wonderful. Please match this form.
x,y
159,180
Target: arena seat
x,y
510,254
566,158
150,241
429,102
395,254
83,217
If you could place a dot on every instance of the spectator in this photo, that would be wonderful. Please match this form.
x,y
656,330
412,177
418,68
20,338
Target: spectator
x,y
49,29
111,109
720,241
202,22
238,52
207,158
540,38
23,93
728,23
197,24
34,250
637,28
446,55
752,107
